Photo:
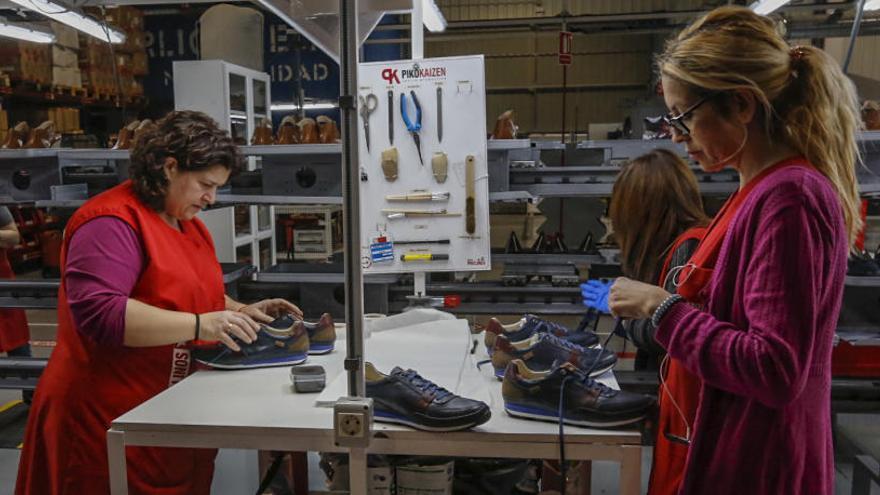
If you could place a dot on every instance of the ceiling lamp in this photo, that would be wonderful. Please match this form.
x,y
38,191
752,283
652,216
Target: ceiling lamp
x,y
765,7
25,33
433,19
872,5
72,18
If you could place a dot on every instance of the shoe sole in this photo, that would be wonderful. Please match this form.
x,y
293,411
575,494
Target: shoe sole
x,y
317,349
383,417
499,373
262,364
527,412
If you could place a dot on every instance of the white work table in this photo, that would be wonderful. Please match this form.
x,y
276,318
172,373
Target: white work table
x,y
258,409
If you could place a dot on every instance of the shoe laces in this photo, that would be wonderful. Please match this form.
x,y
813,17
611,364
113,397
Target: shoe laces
x,y
551,327
424,385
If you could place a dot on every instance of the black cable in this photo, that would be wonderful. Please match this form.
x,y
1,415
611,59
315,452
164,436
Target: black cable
x,y
120,100
270,473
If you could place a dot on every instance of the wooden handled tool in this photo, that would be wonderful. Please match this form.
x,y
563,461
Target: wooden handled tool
x,y
470,217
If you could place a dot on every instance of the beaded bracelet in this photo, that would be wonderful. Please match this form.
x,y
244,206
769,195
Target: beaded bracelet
x,y
663,308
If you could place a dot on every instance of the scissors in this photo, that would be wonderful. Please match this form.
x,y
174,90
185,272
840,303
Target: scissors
x,y
413,128
367,106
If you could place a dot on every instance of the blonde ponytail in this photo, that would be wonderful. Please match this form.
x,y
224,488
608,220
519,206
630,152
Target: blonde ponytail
x,y
807,101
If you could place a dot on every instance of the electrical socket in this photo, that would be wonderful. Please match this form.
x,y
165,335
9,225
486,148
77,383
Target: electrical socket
x,y
352,421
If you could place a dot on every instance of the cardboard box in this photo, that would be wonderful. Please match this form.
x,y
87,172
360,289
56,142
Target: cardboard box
x,y
26,61
67,77
140,65
65,35
65,57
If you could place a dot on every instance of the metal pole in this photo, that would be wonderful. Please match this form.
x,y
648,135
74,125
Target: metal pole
x,y
354,286
857,22
417,31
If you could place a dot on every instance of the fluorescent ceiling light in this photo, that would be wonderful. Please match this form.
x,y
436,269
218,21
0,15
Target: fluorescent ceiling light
x,y
289,107
432,18
25,33
872,5
763,7
72,18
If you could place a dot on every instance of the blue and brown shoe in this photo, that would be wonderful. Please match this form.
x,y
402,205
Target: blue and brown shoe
x,y
541,350
534,394
322,335
404,397
275,346
528,325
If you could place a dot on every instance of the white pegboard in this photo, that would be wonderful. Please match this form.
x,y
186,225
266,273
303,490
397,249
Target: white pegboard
x,y
462,82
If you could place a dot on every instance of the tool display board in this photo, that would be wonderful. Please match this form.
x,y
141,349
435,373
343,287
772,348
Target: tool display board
x,y
428,213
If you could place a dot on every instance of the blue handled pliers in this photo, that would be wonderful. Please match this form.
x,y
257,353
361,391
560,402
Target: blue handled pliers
x,y
413,128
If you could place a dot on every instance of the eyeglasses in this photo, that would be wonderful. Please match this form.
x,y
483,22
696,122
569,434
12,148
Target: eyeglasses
x,y
677,122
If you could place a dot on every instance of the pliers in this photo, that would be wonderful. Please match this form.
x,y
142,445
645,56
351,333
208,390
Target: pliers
x,y
413,128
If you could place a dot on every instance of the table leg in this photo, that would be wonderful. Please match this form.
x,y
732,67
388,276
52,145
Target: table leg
x,y
631,470
357,471
116,462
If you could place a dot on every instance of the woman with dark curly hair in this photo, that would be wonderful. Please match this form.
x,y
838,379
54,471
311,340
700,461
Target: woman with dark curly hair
x,y
140,283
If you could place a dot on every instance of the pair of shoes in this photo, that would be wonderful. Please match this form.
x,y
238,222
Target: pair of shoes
x,y
528,325
861,264
541,350
129,134
22,136
404,397
288,132
263,133
284,342
533,394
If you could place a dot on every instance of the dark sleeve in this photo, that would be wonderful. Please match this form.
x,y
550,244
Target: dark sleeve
x,y
104,262
641,332
5,216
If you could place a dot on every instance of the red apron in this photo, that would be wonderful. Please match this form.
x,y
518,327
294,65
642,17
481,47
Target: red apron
x,y
14,331
86,385
667,471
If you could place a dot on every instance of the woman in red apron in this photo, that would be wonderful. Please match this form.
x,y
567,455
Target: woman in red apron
x,y
768,277
656,240
140,284
14,334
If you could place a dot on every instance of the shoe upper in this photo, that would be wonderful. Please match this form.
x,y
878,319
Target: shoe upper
x,y
541,350
404,392
295,343
582,393
531,324
861,264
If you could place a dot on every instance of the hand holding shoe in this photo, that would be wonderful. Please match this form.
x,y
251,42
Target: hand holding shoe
x,y
267,310
595,294
637,300
226,325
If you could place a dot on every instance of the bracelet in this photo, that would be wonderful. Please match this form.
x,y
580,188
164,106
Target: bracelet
x,y
663,308
198,326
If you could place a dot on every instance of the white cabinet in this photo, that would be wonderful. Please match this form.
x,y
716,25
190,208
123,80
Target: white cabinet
x,y
243,234
238,99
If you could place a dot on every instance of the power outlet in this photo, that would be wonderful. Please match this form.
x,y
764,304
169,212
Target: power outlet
x,y
352,421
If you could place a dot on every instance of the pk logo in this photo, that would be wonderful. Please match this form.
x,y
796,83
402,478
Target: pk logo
x,y
390,75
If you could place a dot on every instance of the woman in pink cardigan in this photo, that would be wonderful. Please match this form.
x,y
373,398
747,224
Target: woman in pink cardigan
x,y
768,276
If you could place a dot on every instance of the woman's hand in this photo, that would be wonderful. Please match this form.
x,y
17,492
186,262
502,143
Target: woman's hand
x,y
635,300
268,309
224,325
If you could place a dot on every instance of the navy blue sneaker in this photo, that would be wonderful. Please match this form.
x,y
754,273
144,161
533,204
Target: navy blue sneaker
x,y
528,325
273,347
404,397
541,350
534,394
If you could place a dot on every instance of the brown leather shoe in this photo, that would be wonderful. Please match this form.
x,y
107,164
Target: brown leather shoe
x,y
263,133
505,127
308,131
125,136
42,136
288,132
17,136
327,131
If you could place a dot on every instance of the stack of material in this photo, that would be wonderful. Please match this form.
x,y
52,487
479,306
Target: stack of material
x,y
66,119
131,56
65,57
4,125
96,64
26,61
